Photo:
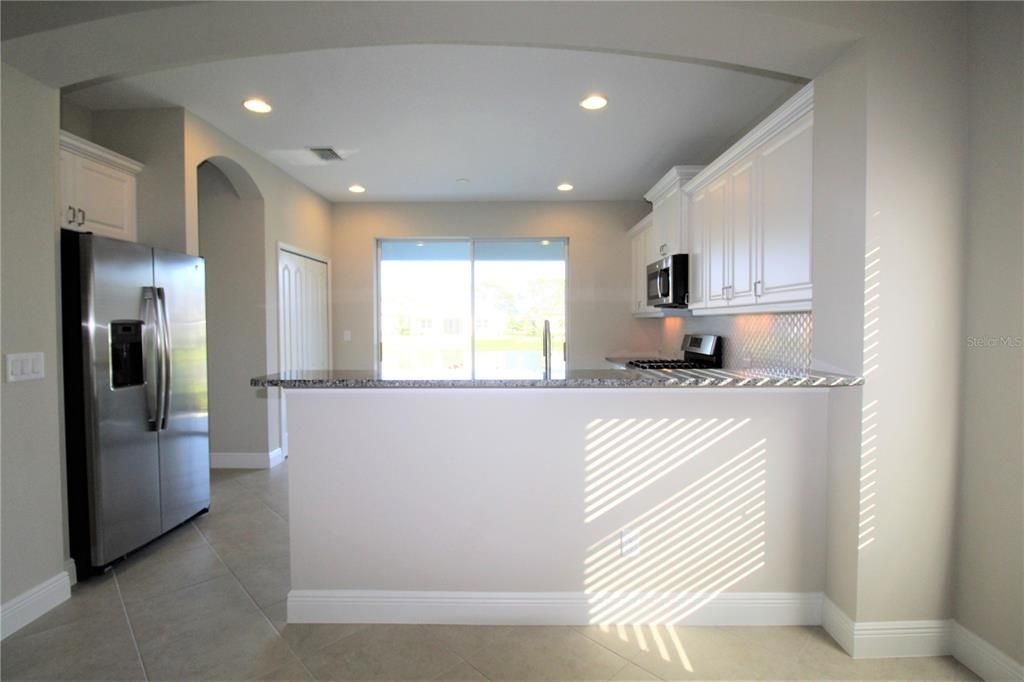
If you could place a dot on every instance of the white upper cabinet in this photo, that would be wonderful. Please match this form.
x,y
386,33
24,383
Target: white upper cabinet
x,y
644,241
716,199
751,211
667,227
97,188
670,211
696,248
640,236
636,247
741,235
785,244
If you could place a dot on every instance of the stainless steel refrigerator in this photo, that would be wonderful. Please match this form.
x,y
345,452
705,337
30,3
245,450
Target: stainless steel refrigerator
x,y
135,394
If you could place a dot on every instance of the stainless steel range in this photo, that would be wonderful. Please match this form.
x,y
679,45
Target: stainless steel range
x,y
700,351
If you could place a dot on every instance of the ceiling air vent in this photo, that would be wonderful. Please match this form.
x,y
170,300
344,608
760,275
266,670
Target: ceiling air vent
x,y
326,153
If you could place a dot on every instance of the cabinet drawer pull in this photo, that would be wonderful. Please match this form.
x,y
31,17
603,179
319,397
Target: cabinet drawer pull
x,y
758,289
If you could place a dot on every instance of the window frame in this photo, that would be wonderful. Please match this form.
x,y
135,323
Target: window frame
x,y
378,344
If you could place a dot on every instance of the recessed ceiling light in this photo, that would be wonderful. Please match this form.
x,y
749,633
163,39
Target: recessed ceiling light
x,y
594,102
544,242
419,243
462,180
356,189
565,187
257,105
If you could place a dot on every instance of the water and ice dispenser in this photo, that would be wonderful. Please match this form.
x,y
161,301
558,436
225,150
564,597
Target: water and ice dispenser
x,y
126,353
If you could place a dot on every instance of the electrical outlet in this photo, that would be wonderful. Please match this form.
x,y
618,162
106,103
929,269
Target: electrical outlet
x,y
629,542
25,366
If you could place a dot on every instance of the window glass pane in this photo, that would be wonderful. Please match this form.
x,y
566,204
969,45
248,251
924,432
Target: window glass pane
x,y
518,284
425,309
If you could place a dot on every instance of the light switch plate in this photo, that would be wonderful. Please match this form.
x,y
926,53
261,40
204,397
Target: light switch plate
x,y
629,542
25,366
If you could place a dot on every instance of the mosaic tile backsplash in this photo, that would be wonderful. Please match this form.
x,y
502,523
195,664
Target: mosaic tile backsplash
x,y
781,340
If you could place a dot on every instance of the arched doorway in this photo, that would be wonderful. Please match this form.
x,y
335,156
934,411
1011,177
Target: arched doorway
x,y
231,237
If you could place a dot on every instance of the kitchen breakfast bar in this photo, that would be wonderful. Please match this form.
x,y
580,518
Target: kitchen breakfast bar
x,y
609,496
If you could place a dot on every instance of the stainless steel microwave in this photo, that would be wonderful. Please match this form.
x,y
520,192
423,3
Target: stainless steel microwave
x,y
668,282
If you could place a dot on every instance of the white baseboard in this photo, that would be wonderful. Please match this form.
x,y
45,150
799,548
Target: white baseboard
x,y
898,639
246,460
885,639
901,639
538,608
988,662
29,605
72,571
837,624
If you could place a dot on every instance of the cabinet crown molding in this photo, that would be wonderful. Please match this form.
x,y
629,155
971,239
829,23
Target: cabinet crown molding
x,y
796,106
677,176
642,224
94,152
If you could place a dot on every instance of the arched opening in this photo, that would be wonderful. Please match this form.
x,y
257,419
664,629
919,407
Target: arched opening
x,y
231,236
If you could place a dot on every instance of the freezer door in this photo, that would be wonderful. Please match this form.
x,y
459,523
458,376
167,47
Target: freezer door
x,y
184,434
122,457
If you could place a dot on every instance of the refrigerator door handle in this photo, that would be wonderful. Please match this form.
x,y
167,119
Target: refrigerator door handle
x,y
154,383
165,383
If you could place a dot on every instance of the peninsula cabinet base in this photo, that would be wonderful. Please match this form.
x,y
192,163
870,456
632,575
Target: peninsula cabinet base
x,y
557,506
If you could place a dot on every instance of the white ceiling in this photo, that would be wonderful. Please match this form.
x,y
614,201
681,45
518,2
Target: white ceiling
x,y
418,117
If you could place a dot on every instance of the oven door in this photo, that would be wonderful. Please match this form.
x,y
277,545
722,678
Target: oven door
x,y
659,283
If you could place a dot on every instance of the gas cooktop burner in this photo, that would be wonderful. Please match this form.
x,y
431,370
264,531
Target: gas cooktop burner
x,y
702,351
665,364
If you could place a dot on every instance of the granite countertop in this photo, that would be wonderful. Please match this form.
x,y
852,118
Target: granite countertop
x,y
586,378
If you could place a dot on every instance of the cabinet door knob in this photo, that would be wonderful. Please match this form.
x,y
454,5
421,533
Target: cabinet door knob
x,y
81,217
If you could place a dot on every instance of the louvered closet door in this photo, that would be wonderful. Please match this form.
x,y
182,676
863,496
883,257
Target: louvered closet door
x,y
303,312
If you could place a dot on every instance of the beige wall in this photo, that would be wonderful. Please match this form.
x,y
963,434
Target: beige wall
x,y
75,119
912,204
230,241
599,319
293,214
840,123
155,138
916,160
33,529
990,543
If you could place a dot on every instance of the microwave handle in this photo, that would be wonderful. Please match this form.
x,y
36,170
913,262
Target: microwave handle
x,y
665,283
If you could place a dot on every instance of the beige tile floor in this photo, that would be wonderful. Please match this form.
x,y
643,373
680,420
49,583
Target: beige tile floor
x,y
207,603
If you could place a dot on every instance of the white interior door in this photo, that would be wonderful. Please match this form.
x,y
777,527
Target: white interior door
x,y
304,319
